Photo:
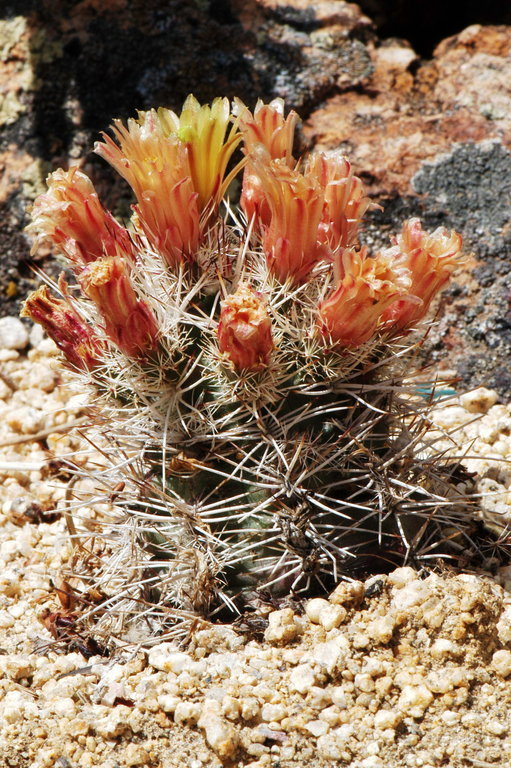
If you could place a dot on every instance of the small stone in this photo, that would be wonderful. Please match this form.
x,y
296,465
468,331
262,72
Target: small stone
x,y
501,663
386,718
13,334
402,576
187,713
442,648
450,718
348,593
332,616
414,700
496,728
317,727
380,630
282,627
480,400
168,702
314,607
273,712
302,678
135,755
220,735
166,658
328,748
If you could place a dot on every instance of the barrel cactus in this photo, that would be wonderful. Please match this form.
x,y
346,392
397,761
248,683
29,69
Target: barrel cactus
x,y
252,367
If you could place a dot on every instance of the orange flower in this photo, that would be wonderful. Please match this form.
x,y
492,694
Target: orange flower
x,y
72,217
266,127
430,259
290,241
128,321
244,329
366,287
62,323
344,200
156,167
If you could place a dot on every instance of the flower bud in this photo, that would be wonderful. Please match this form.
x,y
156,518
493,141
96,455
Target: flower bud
x,y
71,334
345,202
430,260
156,167
244,329
352,313
290,242
128,321
71,216
266,127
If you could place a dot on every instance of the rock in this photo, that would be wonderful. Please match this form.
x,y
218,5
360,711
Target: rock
x,y
501,663
282,627
414,700
13,334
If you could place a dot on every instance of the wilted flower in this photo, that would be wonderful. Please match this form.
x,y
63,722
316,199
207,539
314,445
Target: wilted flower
x,y
244,329
344,200
63,324
72,217
430,259
266,127
366,287
156,167
290,241
128,321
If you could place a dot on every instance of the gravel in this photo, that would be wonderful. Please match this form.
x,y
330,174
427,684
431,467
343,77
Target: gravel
x,y
408,670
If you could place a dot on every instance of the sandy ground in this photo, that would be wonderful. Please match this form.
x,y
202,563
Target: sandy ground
x,y
402,670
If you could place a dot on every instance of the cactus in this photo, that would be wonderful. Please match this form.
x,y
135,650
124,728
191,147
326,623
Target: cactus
x,y
252,368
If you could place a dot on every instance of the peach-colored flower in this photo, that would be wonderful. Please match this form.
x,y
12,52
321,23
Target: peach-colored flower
x,y
156,166
244,329
128,321
290,241
345,201
266,127
366,287
71,216
430,259
62,323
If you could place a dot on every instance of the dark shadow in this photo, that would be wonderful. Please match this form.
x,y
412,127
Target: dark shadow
x,y
425,24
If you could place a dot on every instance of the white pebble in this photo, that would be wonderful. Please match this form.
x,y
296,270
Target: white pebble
x,y
480,400
13,334
386,718
165,658
332,616
317,727
282,627
501,663
302,678
414,700
314,607
273,712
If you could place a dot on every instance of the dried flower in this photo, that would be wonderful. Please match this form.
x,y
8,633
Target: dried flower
x,y
344,200
430,259
290,241
64,325
366,287
128,321
156,167
244,329
266,127
72,217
